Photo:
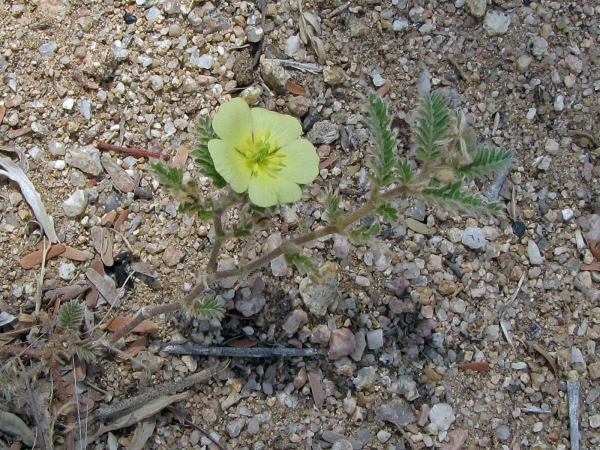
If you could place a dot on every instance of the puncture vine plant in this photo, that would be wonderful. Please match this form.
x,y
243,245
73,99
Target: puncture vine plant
x,y
256,160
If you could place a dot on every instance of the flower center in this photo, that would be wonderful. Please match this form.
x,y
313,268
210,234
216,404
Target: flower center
x,y
262,154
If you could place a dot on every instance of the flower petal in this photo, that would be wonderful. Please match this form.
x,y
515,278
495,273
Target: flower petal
x,y
267,191
233,121
301,162
230,164
284,129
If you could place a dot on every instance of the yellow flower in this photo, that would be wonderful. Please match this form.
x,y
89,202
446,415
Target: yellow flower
x,y
261,152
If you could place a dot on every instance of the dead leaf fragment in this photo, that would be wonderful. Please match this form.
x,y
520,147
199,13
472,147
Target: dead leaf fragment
x,y
594,266
244,343
181,156
384,89
134,348
83,80
103,243
333,156
104,284
317,389
35,258
108,217
121,220
117,174
75,255
15,173
2,112
418,227
294,88
116,323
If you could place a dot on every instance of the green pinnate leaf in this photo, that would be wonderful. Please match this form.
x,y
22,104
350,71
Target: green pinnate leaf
x,y
70,316
244,228
404,172
208,309
431,126
387,212
451,198
487,162
171,177
332,206
202,156
383,155
364,233
301,262
86,351
202,207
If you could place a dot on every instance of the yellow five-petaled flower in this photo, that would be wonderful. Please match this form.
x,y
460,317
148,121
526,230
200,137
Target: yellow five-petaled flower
x,y
261,152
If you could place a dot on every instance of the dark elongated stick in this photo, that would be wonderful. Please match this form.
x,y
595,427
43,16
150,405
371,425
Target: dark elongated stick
x,y
236,352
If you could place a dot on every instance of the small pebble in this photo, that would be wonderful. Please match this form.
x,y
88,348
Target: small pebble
x,y
519,228
442,415
341,343
533,253
375,339
474,238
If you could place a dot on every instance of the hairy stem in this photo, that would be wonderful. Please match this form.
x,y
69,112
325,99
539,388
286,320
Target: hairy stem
x,y
220,237
347,220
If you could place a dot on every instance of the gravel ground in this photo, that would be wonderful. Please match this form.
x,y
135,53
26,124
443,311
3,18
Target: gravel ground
x,y
400,323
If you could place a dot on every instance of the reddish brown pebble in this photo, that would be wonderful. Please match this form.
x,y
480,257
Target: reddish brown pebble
x,y
476,366
384,89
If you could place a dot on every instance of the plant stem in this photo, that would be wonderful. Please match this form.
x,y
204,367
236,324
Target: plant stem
x,y
220,236
346,221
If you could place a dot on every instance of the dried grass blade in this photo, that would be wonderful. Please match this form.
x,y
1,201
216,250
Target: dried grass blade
x,y
142,412
542,351
15,173
142,433
507,334
13,425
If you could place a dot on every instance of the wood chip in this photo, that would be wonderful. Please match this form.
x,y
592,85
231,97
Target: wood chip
x,y
116,323
384,89
103,243
75,255
317,389
133,349
476,366
2,112
294,88
35,258
181,156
